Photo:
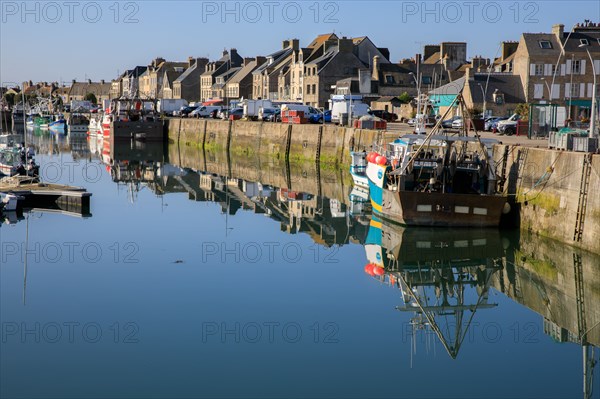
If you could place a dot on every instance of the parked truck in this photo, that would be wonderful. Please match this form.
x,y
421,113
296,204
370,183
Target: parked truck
x,y
346,107
167,105
253,108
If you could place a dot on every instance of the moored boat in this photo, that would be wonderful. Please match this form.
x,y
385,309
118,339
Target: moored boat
x,y
78,123
436,180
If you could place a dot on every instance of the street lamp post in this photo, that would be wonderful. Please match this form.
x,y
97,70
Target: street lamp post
x,y
418,84
484,99
549,91
593,112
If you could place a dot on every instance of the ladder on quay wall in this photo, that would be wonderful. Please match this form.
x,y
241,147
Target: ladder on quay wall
x,y
578,276
583,192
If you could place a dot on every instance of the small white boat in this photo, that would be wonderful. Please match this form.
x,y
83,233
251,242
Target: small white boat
x,y
10,201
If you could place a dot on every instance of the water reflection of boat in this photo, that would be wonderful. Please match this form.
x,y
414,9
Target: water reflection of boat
x,y
443,276
358,169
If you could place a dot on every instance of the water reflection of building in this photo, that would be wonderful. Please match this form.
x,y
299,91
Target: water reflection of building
x,y
562,284
327,221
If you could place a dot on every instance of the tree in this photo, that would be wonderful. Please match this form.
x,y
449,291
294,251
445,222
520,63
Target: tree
x,y
10,99
405,98
91,98
523,110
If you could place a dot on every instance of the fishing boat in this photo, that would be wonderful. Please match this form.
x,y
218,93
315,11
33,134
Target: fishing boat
x,y
78,123
436,181
105,123
13,161
358,169
133,119
18,115
58,124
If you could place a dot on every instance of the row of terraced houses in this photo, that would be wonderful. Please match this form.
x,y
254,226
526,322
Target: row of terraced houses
x,y
541,67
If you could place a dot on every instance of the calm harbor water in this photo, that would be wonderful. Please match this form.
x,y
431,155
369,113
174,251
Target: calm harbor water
x,y
205,275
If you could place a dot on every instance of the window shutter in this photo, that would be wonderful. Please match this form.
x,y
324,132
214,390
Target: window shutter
x,y
583,67
597,66
569,62
563,70
590,89
531,69
582,90
548,69
567,90
538,91
555,91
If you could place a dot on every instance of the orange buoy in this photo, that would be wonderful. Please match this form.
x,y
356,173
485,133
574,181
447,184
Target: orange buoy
x,y
369,269
378,270
381,160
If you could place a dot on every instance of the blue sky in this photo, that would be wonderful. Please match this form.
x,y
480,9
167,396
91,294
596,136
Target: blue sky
x,y
62,40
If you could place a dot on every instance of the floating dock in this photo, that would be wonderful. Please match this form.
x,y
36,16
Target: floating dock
x,y
35,195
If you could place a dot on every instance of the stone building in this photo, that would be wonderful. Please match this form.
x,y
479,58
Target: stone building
x,y
151,80
229,59
553,67
316,69
265,78
498,93
240,85
187,85
79,90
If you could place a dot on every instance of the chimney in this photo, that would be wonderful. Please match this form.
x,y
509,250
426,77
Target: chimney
x,y
375,75
430,50
295,43
558,30
345,45
191,62
364,81
285,44
260,60
248,60
225,52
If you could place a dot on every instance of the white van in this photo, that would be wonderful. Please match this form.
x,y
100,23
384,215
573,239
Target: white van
x,y
349,105
205,111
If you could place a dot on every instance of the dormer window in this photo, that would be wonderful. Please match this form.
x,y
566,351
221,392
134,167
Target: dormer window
x,y
545,44
584,42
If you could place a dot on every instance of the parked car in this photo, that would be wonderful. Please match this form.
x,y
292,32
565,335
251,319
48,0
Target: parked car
x,y
236,113
274,117
267,112
385,115
411,122
185,112
509,126
457,123
448,122
489,122
318,118
205,111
